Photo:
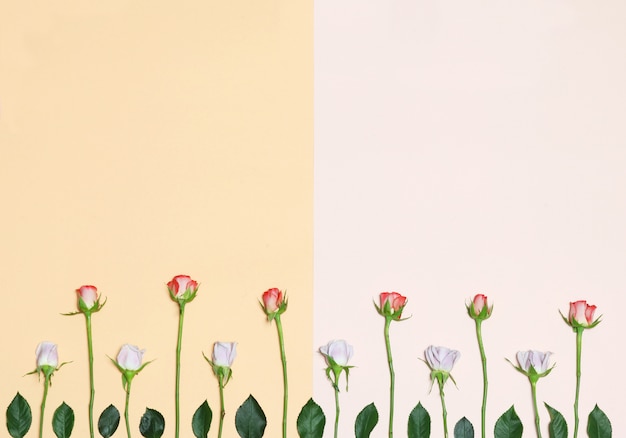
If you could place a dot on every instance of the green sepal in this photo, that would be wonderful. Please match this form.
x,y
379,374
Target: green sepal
x,y
575,325
532,374
484,314
387,313
46,370
221,372
336,370
83,309
281,309
128,375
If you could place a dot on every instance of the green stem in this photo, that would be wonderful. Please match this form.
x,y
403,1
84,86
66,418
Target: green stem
x,y
444,412
283,358
181,318
392,375
336,407
483,359
222,410
126,408
533,387
92,393
579,345
46,384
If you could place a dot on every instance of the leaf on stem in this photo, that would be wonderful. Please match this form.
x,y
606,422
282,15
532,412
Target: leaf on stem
x,y
19,417
557,428
366,421
311,420
201,421
152,424
463,429
419,423
250,419
508,425
63,421
109,421
598,424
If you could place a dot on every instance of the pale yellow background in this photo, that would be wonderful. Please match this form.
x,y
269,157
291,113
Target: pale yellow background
x,y
140,140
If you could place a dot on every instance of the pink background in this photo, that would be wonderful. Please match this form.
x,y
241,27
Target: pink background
x,y
465,147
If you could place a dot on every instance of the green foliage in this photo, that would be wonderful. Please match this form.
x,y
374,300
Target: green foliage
x,y
366,421
63,421
109,421
463,429
557,428
19,417
598,424
152,424
311,421
508,425
250,419
419,423
201,421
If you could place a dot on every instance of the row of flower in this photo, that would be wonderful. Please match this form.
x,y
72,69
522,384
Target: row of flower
x,y
250,419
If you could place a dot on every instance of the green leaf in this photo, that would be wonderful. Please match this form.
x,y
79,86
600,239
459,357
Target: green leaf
x,y
109,421
419,423
201,421
508,425
557,428
250,419
598,424
311,421
63,421
152,424
19,417
463,429
366,421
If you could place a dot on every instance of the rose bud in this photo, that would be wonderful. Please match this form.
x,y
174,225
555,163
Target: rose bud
x,y
391,305
182,289
479,308
273,303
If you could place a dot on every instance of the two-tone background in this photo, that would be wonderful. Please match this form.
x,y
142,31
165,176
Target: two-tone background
x,y
333,149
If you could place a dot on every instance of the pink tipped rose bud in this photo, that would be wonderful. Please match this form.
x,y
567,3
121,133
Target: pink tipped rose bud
x,y
582,313
479,308
272,300
89,296
130,357
182,288
47,355
392,304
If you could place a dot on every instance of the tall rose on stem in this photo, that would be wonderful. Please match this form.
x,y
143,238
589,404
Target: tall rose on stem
x,y
182,290
88,302
129,362
337,355
47,363
534,365
391,306
479,311
580,317
440,360
274,304
222,358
